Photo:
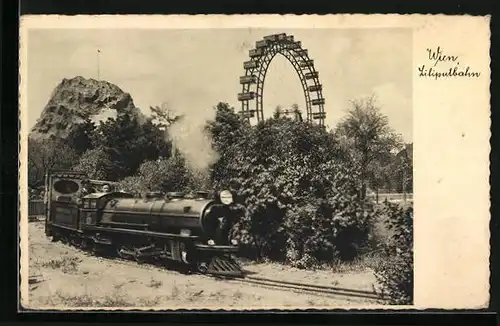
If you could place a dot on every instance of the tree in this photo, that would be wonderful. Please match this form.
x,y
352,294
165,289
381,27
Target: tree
x,y
128,142
379,173
96,163
278,112
171,174
296,112
406,168
45,155
162,174
367,134
164,116
80,137
228,131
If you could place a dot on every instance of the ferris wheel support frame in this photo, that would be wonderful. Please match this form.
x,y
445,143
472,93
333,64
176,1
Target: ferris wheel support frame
x,y
256,70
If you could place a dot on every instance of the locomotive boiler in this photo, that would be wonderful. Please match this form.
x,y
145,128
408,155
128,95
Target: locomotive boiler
x,y
193,231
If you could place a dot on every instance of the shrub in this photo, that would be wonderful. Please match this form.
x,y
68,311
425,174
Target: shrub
x,y
96,163
297,187
170,174
322,230
394,273
134,185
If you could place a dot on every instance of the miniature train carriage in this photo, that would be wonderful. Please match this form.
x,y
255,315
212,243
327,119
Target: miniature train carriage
x,y
193,231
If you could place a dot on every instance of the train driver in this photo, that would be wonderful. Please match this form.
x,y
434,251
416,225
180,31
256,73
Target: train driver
x,y
85,188
106,188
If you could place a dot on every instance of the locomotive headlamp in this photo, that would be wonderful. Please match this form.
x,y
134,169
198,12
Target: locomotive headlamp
x,y
226,197
211,242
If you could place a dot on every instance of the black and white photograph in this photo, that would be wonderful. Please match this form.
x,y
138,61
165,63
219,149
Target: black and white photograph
x,y
220,168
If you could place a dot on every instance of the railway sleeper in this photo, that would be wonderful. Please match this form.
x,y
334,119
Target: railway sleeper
x,y
223,266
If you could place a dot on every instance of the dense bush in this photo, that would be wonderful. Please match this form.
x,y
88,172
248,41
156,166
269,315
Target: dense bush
x,y
297,187
96,163
164,175
129,142
134,185
112,150
394,273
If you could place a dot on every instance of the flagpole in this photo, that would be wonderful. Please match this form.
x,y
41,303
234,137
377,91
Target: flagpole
x,y
98,71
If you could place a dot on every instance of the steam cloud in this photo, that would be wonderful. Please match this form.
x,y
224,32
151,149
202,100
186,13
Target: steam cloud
x,y
190,139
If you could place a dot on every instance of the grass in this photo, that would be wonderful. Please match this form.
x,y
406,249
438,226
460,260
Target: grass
x,y
155,283
67,264
362,263
116,299
113,300
174,293
237,295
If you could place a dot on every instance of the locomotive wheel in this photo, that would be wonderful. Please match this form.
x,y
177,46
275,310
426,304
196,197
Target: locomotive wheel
x,y
74,242
64,239
202,268
92,247
85,244
139,259
137,256
121,254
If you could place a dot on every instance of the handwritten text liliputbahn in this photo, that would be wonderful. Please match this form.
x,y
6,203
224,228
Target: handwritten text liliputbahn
x,y
439,59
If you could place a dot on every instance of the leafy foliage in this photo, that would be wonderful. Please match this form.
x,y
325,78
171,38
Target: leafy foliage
x,y
96,163
128,142
163,174
112,150
134,185
228,132
80,137
297,186
403,169
45,155
163,116
366,133
395,272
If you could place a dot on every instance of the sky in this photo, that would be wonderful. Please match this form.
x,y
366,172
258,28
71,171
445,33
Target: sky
x,y
191,70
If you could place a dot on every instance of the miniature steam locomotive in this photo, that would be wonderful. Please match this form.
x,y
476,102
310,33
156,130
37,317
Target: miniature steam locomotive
x,y
194,232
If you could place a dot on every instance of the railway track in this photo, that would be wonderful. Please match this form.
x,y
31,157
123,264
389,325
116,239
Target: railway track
x,y
294,287
303,288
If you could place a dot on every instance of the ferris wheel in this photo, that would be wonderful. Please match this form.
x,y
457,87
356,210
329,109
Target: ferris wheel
x,y
252,97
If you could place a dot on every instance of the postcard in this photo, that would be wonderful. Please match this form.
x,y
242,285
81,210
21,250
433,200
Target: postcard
x,y
249,162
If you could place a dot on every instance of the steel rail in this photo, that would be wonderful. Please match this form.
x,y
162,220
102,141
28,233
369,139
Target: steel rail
x,y
303,288
307,288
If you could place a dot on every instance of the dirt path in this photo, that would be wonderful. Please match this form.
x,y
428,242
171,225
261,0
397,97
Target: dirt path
x,y
68,278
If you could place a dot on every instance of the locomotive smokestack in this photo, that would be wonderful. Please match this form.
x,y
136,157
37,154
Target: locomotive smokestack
x,y
153,195
202,194
175,195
